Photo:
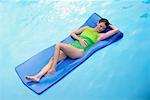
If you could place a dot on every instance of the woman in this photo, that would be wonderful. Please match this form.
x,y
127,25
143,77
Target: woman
x,y
78,47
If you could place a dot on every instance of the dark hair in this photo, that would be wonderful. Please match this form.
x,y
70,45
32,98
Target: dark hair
x,y
104,20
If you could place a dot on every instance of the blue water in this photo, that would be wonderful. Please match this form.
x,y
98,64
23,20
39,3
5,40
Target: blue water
x,y
120,71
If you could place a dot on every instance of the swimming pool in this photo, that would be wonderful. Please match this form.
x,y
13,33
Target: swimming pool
x,y
119,71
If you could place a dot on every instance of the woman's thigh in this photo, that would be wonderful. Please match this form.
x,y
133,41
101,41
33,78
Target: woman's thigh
x,y
71,51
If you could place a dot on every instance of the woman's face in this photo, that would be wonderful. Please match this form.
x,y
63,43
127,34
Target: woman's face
x,y
101,26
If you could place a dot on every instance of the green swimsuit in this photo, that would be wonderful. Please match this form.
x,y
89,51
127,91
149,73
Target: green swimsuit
x,y
90,36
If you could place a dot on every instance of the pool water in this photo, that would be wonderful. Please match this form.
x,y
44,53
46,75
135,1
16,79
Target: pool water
x,y
120,71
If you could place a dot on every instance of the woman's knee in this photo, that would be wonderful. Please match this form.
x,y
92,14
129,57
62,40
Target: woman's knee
x,y
58,45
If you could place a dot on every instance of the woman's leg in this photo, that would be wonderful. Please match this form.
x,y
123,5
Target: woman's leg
x,y
68,50
61,56
46,68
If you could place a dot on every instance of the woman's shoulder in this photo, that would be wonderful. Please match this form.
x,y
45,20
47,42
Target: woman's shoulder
x,y
83,28
86,27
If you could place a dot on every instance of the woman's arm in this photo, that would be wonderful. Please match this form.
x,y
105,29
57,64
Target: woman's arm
x,y
103,36
78,31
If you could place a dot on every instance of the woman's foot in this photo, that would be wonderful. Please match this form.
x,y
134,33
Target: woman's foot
x,y
33,78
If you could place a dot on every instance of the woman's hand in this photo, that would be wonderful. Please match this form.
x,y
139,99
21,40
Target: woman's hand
x,y
83,42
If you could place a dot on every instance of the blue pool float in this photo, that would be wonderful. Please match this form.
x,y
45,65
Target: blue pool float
x,y
33,65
